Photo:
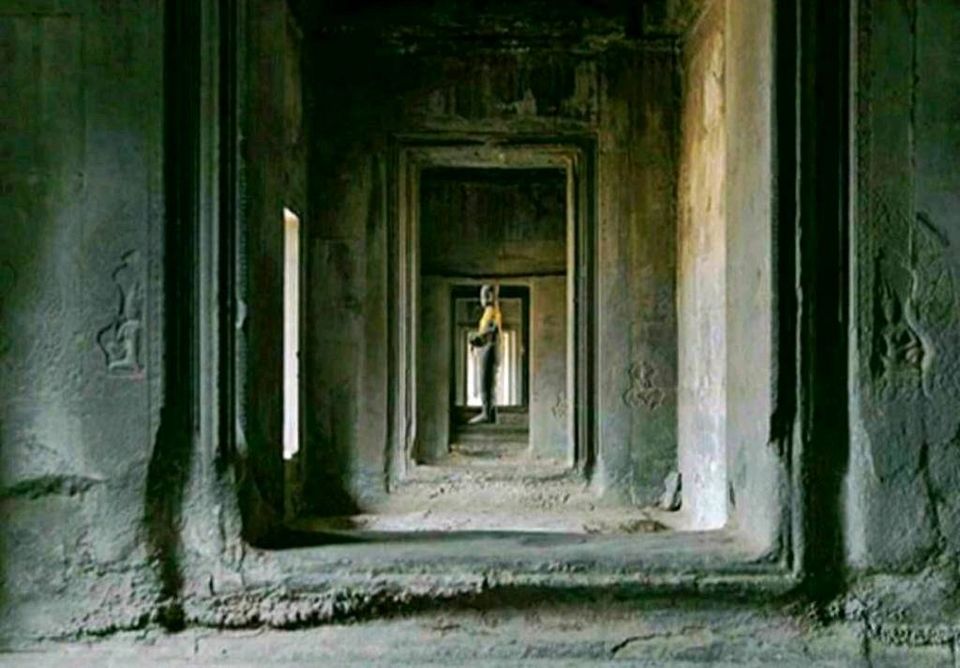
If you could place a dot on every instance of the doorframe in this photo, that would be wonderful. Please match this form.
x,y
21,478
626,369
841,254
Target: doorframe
x,y
410,156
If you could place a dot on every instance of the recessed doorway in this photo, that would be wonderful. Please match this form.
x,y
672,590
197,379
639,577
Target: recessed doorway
x,y
510,227
512,216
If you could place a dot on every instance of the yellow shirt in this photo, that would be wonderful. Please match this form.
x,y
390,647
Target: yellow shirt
x,y
491,315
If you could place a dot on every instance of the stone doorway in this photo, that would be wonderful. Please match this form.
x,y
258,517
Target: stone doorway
x,y
510,215
506,228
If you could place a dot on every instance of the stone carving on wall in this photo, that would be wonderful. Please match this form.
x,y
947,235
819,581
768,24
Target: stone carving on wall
x,y
917,312
898,351
8,277
559,408
643,391
933,291
120,340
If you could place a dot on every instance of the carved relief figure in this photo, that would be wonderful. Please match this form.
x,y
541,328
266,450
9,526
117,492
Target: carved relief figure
x,y
936,306
559,409
120,340
917,309
899,352
643,391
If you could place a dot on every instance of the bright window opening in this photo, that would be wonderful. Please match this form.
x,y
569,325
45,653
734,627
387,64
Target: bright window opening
x,y
291,334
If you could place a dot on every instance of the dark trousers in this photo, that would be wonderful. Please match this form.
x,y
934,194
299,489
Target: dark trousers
x,y
488,377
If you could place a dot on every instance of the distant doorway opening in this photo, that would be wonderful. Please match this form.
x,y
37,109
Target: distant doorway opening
x,y
511,426
511,216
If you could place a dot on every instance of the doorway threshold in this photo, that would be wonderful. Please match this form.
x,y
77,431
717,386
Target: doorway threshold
x,y
515,494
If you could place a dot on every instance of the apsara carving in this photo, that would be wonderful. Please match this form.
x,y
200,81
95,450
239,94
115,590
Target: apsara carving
x,y
917,312
559,408
643,391
120,340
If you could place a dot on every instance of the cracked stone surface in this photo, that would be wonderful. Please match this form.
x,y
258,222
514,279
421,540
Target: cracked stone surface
x,y
645,635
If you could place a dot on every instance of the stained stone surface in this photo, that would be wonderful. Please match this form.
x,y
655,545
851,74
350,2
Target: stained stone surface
x,y
672,497
701,280
81,384
904,457
648,636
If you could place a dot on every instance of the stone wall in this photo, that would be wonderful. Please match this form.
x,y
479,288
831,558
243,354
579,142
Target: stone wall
x,y
549,406
756,466
81,305
493,222
903,510
733,471
701,284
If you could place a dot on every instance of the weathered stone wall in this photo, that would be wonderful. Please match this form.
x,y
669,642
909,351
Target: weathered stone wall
x,y
549,407
493,222
364,91
80,305
726,275
903,509
756,470
434,370
701,284
274,178
636,342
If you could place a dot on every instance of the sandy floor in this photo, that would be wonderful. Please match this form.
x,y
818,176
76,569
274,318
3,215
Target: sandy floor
x,y
498,489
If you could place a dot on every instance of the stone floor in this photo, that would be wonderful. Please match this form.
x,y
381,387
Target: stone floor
x,y
672,636
498,487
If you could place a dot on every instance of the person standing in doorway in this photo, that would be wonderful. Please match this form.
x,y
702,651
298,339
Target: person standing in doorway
x,y
487,345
